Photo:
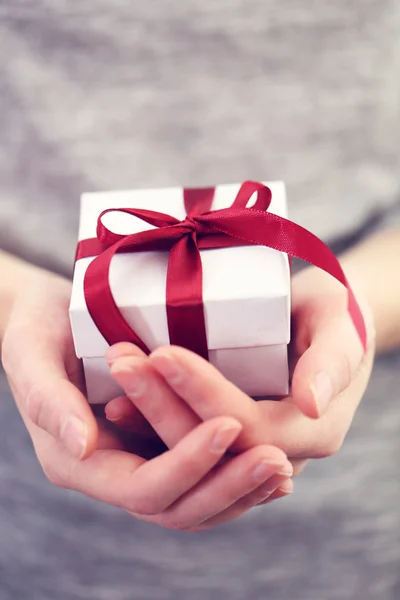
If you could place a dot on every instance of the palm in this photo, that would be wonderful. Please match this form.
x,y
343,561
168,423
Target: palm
x,y
49,322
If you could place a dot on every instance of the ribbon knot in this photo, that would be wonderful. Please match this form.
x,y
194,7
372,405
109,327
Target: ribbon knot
x,y
238,225
191,224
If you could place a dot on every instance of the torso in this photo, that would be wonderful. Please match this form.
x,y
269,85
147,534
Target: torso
x,y
153,94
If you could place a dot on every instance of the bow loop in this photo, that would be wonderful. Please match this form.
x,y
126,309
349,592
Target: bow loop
x,y
108,238
247,190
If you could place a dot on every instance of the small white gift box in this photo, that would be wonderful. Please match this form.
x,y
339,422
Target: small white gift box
x,y
246,295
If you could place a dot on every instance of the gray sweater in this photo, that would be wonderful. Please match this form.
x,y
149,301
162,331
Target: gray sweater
x,y
102,95
122,93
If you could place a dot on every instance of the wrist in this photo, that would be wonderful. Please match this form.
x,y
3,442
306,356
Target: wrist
x,y
372,270
15,278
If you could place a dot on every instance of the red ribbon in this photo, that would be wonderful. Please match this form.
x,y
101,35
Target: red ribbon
x,y
201,229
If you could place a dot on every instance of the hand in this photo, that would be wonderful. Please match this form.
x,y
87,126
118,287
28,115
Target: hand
x,y
330,374
178,488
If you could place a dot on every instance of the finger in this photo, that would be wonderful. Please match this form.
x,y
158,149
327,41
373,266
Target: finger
x,y
259,496
328,366
123,349
284,490
121,412
325,339
46,398
149,487
170,418
298,465
227,491
271,490
128,410
108,439
112,438
209,394
280,424
303,438
206,391
169,476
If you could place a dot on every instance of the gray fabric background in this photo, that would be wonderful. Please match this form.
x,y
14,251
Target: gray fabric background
x,y
98,95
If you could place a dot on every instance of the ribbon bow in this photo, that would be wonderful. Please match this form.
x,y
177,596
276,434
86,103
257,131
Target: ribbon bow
x,y
238,225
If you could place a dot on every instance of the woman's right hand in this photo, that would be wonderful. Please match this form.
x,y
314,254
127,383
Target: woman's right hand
x,y
179,488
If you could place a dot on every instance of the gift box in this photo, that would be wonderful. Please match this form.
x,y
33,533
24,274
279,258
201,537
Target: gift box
x,y
245,288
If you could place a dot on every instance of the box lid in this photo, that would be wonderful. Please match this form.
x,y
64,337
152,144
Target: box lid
x,y
246,290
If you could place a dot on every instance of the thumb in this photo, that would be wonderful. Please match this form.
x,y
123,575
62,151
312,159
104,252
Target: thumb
x,y
45,397
328,366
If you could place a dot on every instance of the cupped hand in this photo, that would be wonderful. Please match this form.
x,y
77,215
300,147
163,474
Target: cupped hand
x,y
330,373
187,485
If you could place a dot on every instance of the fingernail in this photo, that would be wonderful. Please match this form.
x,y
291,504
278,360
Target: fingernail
x,y
287,471
168,367
264,470
73,435
121,350
322,390
269,488
114,353
224,438
129,378
114,419
266,492
286,488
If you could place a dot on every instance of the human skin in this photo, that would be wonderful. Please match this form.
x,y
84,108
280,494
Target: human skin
x,y
225,452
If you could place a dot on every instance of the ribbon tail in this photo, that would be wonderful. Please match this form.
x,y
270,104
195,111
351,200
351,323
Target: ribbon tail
x,y
198,200
185,310
101,304
266,229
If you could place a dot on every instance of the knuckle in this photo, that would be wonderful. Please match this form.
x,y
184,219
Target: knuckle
x,y
5,357
368,317
152,409
148,507
324,440
8,351
52,473
251,500
177,522
60,470
35,405
328,446
191,461
42,408
266,491
341,369
345,365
